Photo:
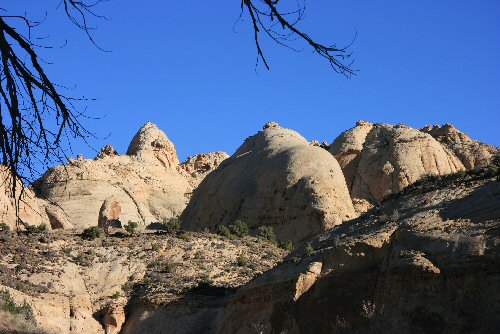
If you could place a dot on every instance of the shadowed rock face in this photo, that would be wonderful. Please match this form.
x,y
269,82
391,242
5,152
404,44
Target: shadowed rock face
x,y
471,153
275,178
421,263
382,159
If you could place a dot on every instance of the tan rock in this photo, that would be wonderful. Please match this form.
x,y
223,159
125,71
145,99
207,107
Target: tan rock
x,y
107,151
381,159
197,167
147,187
31,208
110,211
275,178
114,318
152,143
471,153
430,271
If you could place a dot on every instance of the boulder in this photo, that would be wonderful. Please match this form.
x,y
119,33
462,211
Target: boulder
x,y
110,212
275,178
471,153
382,159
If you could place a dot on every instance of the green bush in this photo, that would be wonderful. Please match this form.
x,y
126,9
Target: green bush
x,y
8,304
172,225
4,227
266,233
242,261
36,228
239,228
286,245
309,249
183,235
116,295
92,233
224,231
131,227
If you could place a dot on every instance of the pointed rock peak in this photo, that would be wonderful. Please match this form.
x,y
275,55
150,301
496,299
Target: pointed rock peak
x,y
150,142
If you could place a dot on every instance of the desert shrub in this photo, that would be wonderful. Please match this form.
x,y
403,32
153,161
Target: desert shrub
x,y
205,282
4,227
242,261
116,295
309,249
131,227
172,225
239,228
92,233
224,231
128,286
8,304
169,268
286,245
266,233
183,235
36,228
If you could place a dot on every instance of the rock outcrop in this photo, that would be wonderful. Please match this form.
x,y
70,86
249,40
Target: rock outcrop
x,y
31,209
471,153
145,183
425,261
150,142
200,165
110,212
275,178
382,159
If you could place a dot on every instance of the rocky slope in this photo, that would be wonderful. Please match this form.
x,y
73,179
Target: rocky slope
x,y
425,261
82,286
275,178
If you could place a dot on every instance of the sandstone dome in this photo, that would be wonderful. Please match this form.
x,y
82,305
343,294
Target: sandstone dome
x,y
471,153
275,178
145,182
381,159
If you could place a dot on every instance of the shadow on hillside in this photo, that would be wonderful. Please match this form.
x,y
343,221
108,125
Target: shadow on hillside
x,y
481,205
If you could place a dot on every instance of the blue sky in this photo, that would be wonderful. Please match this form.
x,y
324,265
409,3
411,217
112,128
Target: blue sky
x,y
182,65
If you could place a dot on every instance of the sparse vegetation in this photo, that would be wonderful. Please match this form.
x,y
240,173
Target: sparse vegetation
x,y
183,235
131,227
34,229
286,245
224,231
115,295
309,249
239,228
205,282
242,261
172,225
92,233
4,228
8,304
266,233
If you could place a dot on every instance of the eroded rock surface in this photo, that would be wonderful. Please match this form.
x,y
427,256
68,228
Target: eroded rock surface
x,y
382,159
145,183
275,178
471,153
197,167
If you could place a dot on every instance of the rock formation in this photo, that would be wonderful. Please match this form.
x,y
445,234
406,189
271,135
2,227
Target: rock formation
x,y
110,211
145,182
382,159
471,153
200,165
275,178
424,262
31,209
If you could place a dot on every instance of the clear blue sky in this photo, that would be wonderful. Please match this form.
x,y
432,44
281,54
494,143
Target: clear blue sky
x,y
181,65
